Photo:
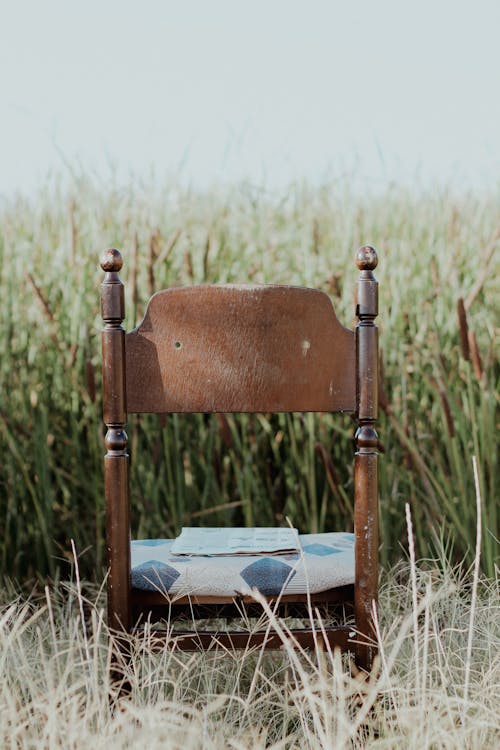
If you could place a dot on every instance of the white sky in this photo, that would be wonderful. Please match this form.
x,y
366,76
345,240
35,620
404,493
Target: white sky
x,y
270,90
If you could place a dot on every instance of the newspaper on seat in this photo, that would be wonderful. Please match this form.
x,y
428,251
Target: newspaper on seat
x,y
235,541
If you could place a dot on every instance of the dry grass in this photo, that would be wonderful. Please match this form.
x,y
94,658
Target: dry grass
x,y
55,690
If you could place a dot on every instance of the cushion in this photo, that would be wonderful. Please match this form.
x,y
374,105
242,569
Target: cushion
x,y
325,561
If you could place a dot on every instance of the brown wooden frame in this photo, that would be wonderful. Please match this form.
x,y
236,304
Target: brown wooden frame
x,y
287,352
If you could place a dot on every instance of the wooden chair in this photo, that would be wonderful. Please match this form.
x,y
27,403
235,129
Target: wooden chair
x,y
242,348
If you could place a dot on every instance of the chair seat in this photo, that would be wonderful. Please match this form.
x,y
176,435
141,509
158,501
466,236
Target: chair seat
x,y
325,561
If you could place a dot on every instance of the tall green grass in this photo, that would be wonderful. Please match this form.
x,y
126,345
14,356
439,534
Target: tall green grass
x,y
439,368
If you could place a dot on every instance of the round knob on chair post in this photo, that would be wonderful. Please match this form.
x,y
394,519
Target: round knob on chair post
x,y
366,437
111,260
116,440
366,258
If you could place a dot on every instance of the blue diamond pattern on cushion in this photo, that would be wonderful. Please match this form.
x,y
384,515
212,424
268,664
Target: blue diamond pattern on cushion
x,y
154,575
268,575
320,549
151,542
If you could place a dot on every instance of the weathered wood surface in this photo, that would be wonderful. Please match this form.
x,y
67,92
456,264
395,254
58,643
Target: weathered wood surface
x,y
143,597
366,459
116,461
240,349
203,640
160,605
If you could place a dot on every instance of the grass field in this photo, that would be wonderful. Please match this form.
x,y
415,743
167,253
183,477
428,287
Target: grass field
x,y
437,686
439,369
439,672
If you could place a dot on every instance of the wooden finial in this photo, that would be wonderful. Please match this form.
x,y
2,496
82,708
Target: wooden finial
x,y
111,260
366,258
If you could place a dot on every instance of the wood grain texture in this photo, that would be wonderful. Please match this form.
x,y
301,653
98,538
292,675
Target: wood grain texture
x,y
116,461
339,637
366,460
240,349
158,605
142,597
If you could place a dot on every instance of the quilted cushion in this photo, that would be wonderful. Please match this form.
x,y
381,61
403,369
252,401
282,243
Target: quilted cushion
x,y
324,562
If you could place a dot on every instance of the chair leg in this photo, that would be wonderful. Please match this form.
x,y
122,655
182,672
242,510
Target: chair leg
x,y
366,544
121,656
364,656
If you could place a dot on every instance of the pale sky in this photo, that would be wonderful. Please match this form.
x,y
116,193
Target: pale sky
x,y
273,90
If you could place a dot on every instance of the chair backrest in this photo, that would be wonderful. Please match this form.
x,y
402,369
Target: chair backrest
x,y
237,348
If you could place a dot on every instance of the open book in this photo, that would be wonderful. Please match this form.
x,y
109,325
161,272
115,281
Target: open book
x,y
235,541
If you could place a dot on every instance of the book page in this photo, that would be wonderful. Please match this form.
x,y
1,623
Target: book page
x,y
235,541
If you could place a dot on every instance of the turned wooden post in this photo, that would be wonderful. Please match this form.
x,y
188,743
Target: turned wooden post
x,y
116,461
365,463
